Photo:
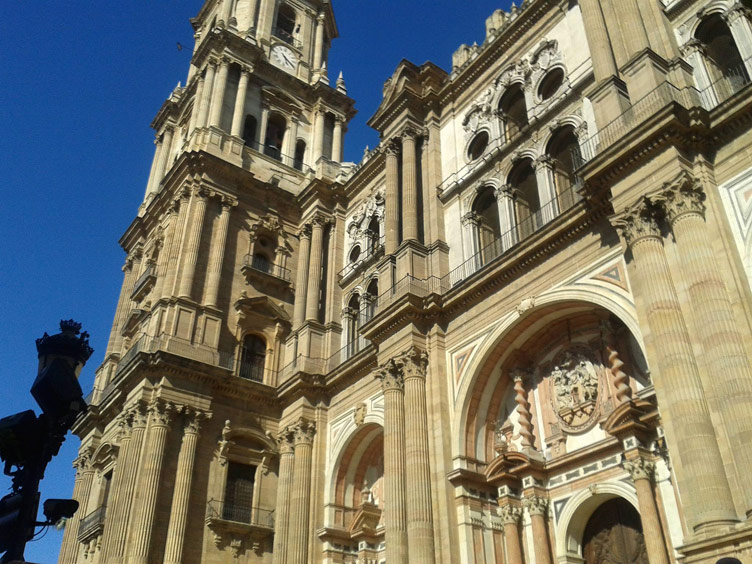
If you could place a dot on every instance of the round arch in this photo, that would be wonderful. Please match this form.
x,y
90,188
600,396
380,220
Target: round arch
x,y
484,361
355,441
570,526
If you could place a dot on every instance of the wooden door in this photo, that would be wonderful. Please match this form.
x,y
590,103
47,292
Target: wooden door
x,y
613,535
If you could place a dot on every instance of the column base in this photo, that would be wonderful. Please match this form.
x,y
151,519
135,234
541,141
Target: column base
x,y
706,547
644,72
411,259
610,99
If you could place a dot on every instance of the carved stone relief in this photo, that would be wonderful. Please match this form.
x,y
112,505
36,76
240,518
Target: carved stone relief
x,y
574,387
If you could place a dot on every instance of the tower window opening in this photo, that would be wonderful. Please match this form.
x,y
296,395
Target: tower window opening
x,y
353,325
286,24
300,149
564,150
355,254
373,234
722,58
275,134
249,130
253,358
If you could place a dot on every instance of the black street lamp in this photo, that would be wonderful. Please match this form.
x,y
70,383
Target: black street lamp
x,y
28,442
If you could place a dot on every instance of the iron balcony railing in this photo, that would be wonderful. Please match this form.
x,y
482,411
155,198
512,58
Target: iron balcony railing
x,y
275,152
148,276
374,248
254,516
260,264
178,347
287,37
92,522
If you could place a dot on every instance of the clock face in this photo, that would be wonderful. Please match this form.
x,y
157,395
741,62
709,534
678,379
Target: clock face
x,y
284,57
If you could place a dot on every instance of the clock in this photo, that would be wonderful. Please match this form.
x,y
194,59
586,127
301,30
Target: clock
x,y
284,57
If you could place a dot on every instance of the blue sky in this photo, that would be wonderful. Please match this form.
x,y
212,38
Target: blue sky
x,y
80,81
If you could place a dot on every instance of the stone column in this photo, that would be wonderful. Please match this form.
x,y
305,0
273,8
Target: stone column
x,y
700,473
224,19
318,135
318,49
154,164
182,493
182,204
300,501
160,270
301,283
692,51
194,240
264,124
123,491
510,518
197,97
238,114
537,508
285,442
81,492
314,274
218,93
604,64
505,204
641,473
728,380
142,520
288,146
741,31
409,187
337,139
391,211
203,111
633,29
544,177
419,508
217,256
392,383
129,270
523,410
164,158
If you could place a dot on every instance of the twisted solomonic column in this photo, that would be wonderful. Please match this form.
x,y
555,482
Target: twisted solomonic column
x,y
615,363
523,409
728,379
300,498
395,510
413,364
286,447
537,508
183,481
142,520
641,472
701,476
510,518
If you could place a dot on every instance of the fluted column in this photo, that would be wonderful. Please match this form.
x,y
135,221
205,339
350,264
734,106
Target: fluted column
x,y
505,205
120,513
318,136
337,139
115,341
217,256
300,501
182,493
115,503
729,377
604,64
263,126
226,13
544,177
142,520
537,508
164,158
181,203
301,283
314,274
409,187
641,472
634,33
154,164
285,442
741,30
218,93
194,240
198,96
238,114
318,49
391,205
701,478
395,517
419,510
206,93
510,518
81,492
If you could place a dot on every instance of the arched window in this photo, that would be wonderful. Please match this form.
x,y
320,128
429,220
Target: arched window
x,y
353,324
477,146
253,358
489,228
724,62
564,150
328,135
513,110
285,23
300,147
275,135
249,131
374,235
354,254
526,200
550,84
372,296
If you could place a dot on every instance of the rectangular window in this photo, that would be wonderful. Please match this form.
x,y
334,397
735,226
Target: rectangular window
x,y
239,492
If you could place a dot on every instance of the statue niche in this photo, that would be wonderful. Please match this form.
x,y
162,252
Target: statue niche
x,y
574,387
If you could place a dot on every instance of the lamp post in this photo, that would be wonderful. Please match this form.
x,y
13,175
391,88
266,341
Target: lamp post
x,y
28,442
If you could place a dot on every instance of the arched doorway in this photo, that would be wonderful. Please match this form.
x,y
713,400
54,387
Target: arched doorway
x,y
613,535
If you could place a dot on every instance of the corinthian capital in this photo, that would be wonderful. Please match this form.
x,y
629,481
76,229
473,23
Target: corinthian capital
x,y
413,363
510,514
193,420
391,147
637,222
639,469
304,430
390,375
535,505
161,412
285,440
680,197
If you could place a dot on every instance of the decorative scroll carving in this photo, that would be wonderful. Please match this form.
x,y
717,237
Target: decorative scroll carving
x,y
161,413
285,441
683,195
413,363
303,431
620,379
535,505
637,222
639,469
510,514
574,383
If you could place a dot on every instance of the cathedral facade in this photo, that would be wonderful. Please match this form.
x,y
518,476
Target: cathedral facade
x,y
518,331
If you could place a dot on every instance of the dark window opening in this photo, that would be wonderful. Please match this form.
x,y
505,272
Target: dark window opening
x,y
489,228
253,358
550,84
300,148
564,149
355,253
721,53
238,504
478,145
285,24
275,134
373,234
513,111
526,200
249,130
